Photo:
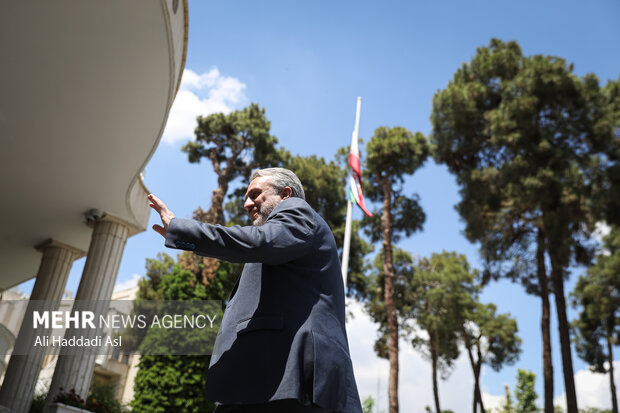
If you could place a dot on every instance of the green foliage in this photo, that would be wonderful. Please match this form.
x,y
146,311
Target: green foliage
x,y
149,286
394,153
149,289
597,330
407,216
174,383
489,338
532,147
238,142
102,399
171,384
38,402
442,295
234,143
375,305
611,104
594,410
324,184
497,331
368,405
526,139
598,295
525,392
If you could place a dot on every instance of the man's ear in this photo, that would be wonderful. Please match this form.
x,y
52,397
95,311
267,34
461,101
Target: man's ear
x,y
287,192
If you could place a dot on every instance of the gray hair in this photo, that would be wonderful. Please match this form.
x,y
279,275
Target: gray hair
x,y
280,179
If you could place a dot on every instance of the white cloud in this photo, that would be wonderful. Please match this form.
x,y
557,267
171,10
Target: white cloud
x,y
201,94
124,285
493,403
592,389
601,229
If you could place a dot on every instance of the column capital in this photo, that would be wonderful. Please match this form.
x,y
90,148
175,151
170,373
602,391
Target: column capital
x,y
78,253
91,220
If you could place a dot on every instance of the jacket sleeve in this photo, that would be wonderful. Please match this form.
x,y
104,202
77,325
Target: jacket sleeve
x,y
286,235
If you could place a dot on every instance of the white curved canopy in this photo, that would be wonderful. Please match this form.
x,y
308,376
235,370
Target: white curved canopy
x,y
85,91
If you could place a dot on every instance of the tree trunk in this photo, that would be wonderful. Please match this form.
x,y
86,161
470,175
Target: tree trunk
x,y
390,306
473,368
545,323
434,363
214,215
478,368
614,398
557,272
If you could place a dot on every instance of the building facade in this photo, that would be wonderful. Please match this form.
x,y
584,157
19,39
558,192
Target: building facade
x,y
85,92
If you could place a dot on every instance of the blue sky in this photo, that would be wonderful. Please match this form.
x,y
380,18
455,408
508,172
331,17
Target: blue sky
x,y
306,63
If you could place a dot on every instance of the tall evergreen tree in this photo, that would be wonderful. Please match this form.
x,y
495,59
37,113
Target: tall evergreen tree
x,y
235,144
442,295
529,143
489,338
393,153
611,197
598,326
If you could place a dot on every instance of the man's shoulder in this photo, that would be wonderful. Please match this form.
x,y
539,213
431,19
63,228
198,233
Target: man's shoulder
x,y
294,203
298,210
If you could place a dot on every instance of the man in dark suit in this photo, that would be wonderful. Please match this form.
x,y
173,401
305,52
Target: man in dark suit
x,y
282,344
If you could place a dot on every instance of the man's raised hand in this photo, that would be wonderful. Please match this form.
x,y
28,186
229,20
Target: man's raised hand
x,y
165,214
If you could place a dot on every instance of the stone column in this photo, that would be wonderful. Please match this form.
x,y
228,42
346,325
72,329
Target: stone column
x,y
74,371
23,370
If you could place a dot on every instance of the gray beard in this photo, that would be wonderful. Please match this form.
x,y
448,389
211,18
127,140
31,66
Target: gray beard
x,y
264,212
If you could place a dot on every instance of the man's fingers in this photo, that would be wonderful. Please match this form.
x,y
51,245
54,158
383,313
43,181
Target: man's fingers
x,y
164,213
160,230
156,203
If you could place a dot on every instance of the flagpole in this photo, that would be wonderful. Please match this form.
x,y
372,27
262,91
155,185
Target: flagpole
x,y
347,229
347,243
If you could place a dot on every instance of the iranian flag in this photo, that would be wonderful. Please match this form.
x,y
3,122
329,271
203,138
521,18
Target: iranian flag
x,y
355,180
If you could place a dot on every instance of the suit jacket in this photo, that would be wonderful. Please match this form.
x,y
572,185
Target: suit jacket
x,y
283,332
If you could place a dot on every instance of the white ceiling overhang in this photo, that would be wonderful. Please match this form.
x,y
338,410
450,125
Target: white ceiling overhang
x,y
85,91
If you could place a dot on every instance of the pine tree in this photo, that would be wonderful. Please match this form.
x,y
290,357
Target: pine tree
x,y
393,153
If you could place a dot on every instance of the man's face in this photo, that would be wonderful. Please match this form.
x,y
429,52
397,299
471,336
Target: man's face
x,y
260,199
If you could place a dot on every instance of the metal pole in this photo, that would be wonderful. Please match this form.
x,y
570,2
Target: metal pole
x,y
347,243
347,231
